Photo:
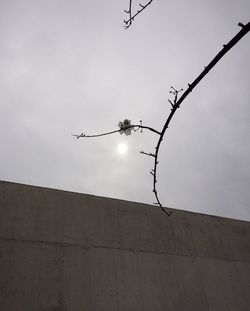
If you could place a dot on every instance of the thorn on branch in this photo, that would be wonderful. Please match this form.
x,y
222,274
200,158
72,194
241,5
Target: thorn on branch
x,y
152,172
241,25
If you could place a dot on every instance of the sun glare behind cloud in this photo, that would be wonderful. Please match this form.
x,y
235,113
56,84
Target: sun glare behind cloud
x,y
122,148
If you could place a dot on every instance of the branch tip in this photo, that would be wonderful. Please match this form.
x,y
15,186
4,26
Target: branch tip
x,y
132,16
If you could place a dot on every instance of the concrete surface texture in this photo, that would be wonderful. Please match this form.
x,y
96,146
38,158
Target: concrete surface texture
x,y
69,251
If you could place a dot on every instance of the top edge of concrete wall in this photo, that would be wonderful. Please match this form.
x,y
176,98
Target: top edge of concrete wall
x,y
130,204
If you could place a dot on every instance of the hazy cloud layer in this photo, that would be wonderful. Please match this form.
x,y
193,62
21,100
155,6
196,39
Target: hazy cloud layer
x,y
69,66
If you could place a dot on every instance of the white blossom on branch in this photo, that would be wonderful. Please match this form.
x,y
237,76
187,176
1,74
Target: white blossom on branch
x,y
125,127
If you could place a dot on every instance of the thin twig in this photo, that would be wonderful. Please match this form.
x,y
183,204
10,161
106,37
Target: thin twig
x,y
95,135
148,154
129,21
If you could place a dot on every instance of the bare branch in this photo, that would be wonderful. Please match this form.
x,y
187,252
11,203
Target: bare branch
x,y
129,21
177,102
135,127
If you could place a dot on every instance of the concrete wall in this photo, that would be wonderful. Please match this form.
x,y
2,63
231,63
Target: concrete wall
x,y
68,251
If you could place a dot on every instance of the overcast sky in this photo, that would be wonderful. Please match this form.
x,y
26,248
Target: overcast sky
x,y
70,67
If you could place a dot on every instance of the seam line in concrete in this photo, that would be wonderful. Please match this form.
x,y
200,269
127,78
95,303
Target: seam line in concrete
x,y
67,244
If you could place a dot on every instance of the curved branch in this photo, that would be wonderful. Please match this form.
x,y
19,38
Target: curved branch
x,y
138,126
147,128
177,102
